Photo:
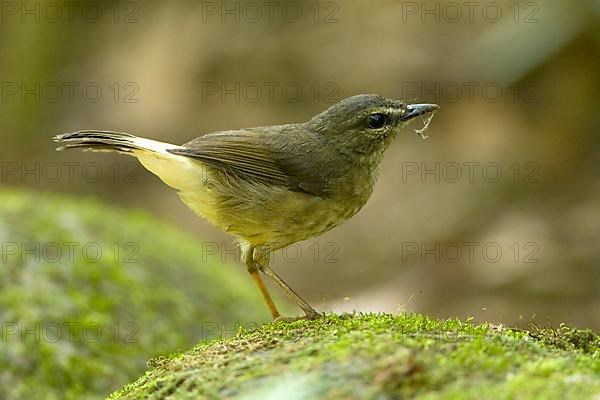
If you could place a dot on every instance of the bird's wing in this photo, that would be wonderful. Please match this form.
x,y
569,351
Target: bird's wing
x,y
254,155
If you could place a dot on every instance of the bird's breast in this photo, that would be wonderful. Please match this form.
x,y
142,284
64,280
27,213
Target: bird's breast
x,y
275,216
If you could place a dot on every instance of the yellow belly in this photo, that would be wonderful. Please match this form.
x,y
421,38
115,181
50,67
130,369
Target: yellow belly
x,y
268,216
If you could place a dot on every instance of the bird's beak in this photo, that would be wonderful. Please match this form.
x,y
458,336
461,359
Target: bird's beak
x,y
414,110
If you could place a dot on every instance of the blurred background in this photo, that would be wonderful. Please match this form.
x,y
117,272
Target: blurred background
x,y
496,215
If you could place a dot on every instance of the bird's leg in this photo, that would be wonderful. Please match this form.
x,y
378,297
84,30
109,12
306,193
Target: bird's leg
x,y
263,266
252,267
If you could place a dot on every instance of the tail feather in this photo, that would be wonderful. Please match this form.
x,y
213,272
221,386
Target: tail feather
x,y
98,141
177,171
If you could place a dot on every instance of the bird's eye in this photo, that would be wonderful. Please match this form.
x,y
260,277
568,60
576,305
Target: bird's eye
x,y
376,120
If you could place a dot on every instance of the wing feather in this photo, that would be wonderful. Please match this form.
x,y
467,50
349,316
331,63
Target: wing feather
x,y
255,154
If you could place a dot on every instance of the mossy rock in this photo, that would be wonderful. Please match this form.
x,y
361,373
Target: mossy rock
x,y
377,356
79,323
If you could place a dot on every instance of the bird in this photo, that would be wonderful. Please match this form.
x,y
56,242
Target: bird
x,y
273,186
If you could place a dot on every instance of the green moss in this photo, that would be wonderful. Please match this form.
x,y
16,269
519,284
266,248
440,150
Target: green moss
x,y
79,324
373,356
567,338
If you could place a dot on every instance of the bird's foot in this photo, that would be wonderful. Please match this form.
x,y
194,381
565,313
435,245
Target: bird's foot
x,y
307,317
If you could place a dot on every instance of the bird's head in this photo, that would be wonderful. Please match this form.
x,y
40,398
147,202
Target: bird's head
x,y
365,124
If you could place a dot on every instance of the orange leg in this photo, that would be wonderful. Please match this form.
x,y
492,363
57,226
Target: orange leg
x,y
254,267
309,312
264,292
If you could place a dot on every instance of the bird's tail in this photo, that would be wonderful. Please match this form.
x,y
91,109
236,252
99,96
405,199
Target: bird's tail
x,y
177,171
110,141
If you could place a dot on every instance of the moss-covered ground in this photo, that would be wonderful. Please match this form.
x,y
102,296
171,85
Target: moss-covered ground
x,y
89,293
380,356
